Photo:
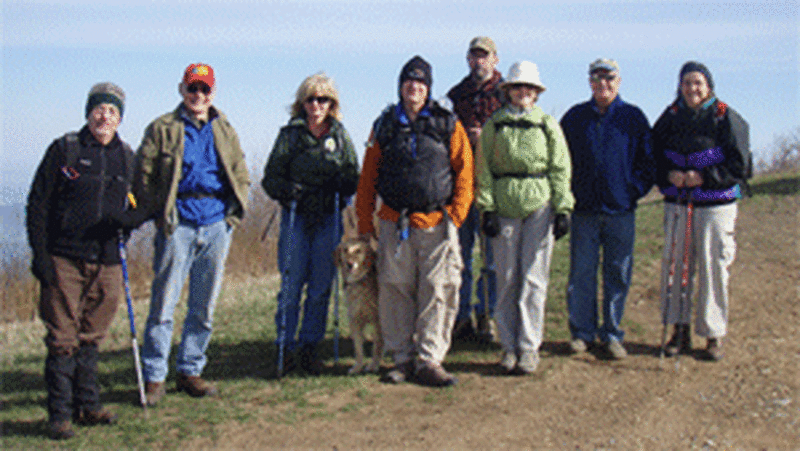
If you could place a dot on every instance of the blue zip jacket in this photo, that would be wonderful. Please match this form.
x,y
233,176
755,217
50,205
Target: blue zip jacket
x,y
613,164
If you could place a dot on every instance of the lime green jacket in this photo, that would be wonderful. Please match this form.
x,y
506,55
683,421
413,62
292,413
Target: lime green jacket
x,y
160,162
523,164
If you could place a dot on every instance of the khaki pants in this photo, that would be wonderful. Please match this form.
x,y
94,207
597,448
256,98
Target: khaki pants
x,y
711,253
522,255
418,281
79,307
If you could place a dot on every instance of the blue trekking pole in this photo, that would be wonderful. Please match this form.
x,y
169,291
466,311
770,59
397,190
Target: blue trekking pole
x,y
285,283
136,360
337,216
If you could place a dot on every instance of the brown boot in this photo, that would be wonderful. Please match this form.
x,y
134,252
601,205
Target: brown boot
x,y
60,430
153,392
102,416
714,349
434,375
681,341
195,386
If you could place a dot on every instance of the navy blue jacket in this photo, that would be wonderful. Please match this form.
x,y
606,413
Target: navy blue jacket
x,y
613,163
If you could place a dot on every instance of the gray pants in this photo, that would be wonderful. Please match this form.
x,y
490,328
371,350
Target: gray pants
x,y
418,290
711,253
522,253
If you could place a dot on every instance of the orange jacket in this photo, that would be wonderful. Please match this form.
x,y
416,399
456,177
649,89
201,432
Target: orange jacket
x,y
463,187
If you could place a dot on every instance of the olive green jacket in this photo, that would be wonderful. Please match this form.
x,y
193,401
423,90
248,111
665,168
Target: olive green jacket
x,y
523,164
160,162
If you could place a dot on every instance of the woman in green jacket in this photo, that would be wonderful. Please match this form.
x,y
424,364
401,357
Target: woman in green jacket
x,y
524,195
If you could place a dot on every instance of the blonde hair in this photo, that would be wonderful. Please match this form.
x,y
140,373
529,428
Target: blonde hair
x,y
321,85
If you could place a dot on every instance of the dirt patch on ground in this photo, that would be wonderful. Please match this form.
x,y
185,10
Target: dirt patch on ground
x,y
749,400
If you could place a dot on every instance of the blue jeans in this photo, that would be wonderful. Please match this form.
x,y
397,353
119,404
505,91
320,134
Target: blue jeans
x,y
198,252
466,237
616,235
305,259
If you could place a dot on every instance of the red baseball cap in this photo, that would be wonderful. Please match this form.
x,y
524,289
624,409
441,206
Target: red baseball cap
x,y
199,72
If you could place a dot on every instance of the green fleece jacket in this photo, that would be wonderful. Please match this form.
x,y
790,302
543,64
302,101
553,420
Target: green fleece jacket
x,y
160,162
523,164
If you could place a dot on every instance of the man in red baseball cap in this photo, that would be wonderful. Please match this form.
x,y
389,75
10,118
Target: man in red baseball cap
x,y
194,175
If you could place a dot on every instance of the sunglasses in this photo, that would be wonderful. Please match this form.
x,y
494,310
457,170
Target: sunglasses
x,y
598,77
202,87
321,100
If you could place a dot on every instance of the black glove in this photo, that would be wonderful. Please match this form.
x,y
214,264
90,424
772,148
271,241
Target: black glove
x,y
490,224
561,225
43,268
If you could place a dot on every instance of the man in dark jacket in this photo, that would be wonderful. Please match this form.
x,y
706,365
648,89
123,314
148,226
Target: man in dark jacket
x,y
474,99
613,166
81,185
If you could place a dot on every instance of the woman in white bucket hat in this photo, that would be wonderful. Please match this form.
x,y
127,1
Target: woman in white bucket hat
x,y
523,193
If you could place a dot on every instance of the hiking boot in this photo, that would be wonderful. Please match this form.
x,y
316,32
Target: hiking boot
x,y
309,361
153,392
464,330
616,350
528,362
60,430
714,349
487,329
681,341
195,386
399,374
508,362
577,346
434,375
92,418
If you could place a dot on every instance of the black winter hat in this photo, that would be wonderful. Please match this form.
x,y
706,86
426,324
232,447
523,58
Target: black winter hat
x,y
694,66
417,69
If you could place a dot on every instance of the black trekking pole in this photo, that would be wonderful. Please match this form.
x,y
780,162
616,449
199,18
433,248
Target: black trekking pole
x,y
284,284
136,360
486,276
337,218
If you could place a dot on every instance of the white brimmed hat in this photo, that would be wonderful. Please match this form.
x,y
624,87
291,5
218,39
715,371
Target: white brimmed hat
x,y
523,73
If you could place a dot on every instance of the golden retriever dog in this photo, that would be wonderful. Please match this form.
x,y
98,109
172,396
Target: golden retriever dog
x,y
355,259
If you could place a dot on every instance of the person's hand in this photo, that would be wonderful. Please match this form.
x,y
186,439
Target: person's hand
x,y
43,268
561,225
490,224
693,179
677,178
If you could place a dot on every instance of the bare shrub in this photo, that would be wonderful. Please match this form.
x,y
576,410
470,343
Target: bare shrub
x,y
785,155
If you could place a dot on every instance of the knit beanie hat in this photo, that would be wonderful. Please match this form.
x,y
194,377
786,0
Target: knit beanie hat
x,y
694,66
417,69
105,92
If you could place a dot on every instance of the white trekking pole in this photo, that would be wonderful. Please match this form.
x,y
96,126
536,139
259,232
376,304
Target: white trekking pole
x,y
136,360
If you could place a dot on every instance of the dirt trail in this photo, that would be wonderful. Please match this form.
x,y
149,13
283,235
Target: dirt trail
x,y
750,400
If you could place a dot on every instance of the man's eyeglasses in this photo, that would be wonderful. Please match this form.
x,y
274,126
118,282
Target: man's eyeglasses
x,y
321,100
202,87
599,76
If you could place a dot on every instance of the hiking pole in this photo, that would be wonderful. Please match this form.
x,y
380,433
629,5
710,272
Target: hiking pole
x,y
670,284
337,217
136,360
284,284
486,275
687,239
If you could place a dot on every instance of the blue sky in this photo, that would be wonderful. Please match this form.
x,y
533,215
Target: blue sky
x,y
53,52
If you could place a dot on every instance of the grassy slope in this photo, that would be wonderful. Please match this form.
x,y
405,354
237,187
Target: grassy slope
x,y
241,356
